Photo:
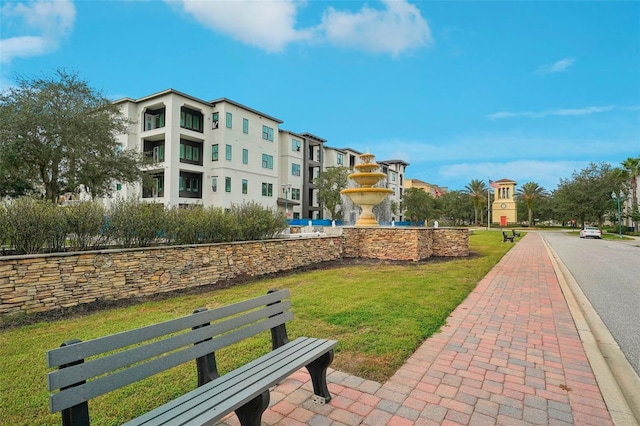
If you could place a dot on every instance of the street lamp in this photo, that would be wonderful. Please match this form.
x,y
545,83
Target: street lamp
x,y
286,188
618,199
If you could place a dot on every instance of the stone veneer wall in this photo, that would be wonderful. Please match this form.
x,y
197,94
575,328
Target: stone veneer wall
x,y
405,243
450,242
38,283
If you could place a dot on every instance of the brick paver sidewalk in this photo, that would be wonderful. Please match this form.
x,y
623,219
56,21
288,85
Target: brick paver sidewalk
x,y
510,354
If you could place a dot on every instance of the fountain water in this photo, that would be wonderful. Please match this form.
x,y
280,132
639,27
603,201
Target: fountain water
x,y
367,196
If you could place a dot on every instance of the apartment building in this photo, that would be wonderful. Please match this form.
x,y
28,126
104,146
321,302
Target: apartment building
x,y
219,153
212,153
291,172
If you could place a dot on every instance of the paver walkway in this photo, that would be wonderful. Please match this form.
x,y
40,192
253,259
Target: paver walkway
x,y
510,354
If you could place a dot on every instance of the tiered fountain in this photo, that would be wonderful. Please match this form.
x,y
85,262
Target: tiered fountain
x,y
366,196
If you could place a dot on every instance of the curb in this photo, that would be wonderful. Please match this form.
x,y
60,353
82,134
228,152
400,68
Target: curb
x,y
617,380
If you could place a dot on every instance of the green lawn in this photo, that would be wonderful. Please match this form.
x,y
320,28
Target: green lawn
x,y
379,314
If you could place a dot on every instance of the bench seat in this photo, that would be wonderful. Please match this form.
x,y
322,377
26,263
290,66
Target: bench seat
x,y
95,367
211,402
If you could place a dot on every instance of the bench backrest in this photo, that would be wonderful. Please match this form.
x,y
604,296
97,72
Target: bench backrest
x,y
130,356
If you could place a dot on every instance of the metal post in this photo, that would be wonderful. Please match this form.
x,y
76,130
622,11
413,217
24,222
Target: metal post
x,y
286,187
618,199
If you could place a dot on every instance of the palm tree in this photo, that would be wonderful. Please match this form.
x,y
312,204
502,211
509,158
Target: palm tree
x,y
632,167
476,190
530,192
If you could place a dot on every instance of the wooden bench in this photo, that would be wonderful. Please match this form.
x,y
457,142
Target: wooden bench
x,y
515,234
506,237
121,359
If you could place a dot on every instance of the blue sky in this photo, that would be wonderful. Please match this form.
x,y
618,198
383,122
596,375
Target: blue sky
x,y
462,90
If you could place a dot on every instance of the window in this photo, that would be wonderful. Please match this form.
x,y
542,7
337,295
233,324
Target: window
x,y
229,120
190,152
245,156
214,183
118,186
295,169
227,184
154,150
245,125
214,120
267,189
295,194
191,119
296,145
158,153
245,186
340,160
156,189
393,177
153,119
214,152
190,185
267,161
267,133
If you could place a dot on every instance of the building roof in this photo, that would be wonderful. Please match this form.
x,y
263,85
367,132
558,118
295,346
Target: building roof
x,y
193,98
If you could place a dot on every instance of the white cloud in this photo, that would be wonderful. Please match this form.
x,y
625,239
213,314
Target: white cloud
x,y
271,24
38,27
559,66
554,112
398,28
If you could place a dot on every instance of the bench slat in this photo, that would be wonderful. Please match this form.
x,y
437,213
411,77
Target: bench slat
x,y
67,354
93,368
81,393
212,401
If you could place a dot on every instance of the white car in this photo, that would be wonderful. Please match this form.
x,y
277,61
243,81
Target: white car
x,y
590,231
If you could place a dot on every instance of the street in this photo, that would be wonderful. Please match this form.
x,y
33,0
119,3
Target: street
x,y
608,272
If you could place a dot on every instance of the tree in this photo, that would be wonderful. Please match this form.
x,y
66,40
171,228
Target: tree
x,y
587,196
632,170
477,191
418,204
530,193
456,207
59,135
330,182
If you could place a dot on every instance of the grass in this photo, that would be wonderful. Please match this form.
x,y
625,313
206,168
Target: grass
x,y
379,313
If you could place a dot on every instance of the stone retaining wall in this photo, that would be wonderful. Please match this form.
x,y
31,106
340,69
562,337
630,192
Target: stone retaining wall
x,y
38,283
408,243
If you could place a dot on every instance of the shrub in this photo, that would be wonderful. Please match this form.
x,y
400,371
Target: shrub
x,y
258,222
195,225
134,223
85,221
34,225
5,228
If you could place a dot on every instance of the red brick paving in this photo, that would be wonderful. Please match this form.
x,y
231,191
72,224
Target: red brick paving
x,y
510,354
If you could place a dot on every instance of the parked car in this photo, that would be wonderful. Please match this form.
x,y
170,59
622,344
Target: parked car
x,y
590,231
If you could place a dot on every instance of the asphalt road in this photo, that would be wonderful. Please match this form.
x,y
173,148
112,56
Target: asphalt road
x,y
608,272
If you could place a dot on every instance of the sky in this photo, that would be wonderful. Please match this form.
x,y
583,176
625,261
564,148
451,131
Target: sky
x,y
531,91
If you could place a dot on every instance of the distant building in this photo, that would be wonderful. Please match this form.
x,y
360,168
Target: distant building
x,y
504,211
429,188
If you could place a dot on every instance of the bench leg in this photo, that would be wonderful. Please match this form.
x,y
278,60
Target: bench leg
x,y
318,371
250,414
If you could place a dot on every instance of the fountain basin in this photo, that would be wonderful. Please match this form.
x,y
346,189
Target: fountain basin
x,y
371,196
367,198
367,179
